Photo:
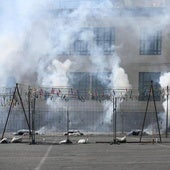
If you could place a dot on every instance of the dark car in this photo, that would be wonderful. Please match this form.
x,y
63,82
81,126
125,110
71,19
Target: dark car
x,y
135,132
23,132
74,132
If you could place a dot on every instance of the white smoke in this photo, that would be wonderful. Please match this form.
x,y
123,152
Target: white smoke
x,y
165,82
33,38
119,80
25,40
56,73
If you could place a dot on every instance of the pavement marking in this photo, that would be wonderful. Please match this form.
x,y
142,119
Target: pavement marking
x,y
142,162
44,158
165,146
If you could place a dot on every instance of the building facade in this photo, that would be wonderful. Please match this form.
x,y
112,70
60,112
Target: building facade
x,y
125,36
138,33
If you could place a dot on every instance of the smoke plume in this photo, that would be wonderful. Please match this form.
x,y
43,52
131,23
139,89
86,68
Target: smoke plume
x,y
165,82
35,43
33,37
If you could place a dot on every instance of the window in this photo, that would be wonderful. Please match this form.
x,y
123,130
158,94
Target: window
x,y
150,43
79,80
105,39
81,47
145,79
95,83
100,81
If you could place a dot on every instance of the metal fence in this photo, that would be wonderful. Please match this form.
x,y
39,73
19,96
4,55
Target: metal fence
x,y
53,109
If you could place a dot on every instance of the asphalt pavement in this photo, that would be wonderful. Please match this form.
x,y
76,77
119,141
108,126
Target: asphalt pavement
x,y
100,155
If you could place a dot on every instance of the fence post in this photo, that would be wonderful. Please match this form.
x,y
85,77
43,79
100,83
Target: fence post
x,y
167,95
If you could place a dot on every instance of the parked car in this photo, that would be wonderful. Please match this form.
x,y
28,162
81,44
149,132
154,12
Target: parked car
x,y
23,132
135,132
74,133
